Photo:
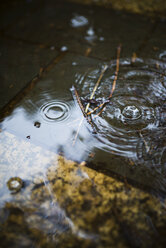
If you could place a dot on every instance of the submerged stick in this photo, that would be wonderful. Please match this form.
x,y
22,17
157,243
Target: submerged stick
x,y
83,112
145,143
75,138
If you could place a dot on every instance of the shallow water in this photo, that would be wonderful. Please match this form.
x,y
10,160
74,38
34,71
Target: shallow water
x,y
132,125
48,200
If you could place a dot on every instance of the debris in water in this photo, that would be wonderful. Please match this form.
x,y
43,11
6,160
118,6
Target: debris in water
x,y
37,124
15,184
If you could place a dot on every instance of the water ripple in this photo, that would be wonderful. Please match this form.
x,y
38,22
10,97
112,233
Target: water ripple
x,y
136,106
55,111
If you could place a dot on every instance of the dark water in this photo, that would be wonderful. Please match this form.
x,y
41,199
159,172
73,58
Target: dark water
x,y
129,143
132,125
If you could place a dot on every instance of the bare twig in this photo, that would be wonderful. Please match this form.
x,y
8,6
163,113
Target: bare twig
x,y
96,86
116,72
102,105
88,105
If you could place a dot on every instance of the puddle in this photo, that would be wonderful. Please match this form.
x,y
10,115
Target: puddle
x,y
131,127
129,142
67,180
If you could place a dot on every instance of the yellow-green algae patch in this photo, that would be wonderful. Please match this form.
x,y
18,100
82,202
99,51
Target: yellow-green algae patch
x,y
70,205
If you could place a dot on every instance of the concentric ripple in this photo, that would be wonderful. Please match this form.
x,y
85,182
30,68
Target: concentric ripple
x,y
131,112
55,111
135,106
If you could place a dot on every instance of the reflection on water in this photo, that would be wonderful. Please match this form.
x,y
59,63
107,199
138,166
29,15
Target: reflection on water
x,y
79,21
132,124
130,142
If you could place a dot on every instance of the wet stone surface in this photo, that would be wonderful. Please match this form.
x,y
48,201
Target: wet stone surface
x,y
20,63
81,27
12,11
50,50
156,44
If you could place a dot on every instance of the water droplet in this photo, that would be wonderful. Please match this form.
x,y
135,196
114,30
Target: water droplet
x,y
131,112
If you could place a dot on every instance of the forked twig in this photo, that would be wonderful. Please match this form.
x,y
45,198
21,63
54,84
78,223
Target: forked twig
x,y
96,86
102,105
88,105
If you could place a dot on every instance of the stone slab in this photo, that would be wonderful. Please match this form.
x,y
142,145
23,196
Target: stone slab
x,y
19,64
155,48
82,29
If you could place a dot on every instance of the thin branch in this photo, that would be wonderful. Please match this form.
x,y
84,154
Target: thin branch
x,y
88,105
102,105
96,86
116,72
